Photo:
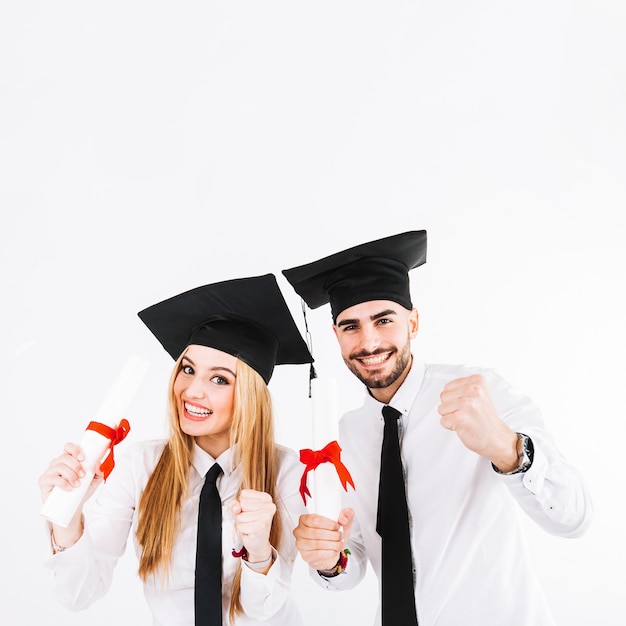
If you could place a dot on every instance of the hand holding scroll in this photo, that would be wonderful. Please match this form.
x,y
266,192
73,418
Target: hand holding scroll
x,y
320,539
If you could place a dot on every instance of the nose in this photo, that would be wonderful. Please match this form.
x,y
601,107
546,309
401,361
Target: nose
x,y
195,388
370,338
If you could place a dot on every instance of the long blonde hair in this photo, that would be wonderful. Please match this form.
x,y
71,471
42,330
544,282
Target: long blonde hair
x,y
160,505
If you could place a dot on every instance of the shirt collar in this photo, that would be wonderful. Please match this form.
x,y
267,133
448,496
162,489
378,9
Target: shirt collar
x,y
202,461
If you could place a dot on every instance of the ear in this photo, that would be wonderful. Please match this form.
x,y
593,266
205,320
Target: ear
x,y
413,323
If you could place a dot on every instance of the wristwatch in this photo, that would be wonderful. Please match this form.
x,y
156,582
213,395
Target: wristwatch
x,y
525,454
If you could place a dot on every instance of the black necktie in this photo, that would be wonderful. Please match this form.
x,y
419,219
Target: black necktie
x,y
392,524
208,587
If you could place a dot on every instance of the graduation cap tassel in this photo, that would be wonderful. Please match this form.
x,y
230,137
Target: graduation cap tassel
x,y
309,343
312,375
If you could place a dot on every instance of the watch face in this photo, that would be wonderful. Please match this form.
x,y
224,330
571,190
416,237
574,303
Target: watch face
x,y
526,458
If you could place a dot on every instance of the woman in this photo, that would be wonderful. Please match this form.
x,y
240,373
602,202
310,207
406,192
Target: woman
x,y
225,339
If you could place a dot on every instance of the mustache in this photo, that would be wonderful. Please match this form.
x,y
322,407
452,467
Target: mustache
x,y
363,354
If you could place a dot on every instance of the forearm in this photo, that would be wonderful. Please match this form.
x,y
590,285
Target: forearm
x,y
65,537
265,594
80,577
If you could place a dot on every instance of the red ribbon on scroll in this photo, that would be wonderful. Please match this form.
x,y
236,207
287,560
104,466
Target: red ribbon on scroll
x,y
330,453
115,435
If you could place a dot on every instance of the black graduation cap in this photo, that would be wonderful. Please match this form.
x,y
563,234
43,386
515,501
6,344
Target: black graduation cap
x,y
377,270
245,317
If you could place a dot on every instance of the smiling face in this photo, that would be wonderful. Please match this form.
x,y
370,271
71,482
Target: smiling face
x,y
375,341
204,389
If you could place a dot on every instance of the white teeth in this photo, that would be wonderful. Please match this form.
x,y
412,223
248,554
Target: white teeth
x,y
374,360
194,410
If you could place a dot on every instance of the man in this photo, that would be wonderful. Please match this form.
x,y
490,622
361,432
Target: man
x,y
443,534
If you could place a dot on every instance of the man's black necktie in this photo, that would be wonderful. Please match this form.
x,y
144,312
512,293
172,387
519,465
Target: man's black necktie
x,y
392,524
208,587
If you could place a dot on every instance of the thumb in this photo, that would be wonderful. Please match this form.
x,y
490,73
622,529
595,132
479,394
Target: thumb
x,y
235,507
345,520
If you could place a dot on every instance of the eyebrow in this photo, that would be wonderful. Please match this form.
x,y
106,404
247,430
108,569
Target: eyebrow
x,y
385,313
216,368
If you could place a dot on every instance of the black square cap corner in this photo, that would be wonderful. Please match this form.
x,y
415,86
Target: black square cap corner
x,y
376,270
246,317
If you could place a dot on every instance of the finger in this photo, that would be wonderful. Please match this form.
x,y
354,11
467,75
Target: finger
x,y
320,559
453,386
59,475
235,507
346,519
314,521
334,544
68,467
263,514
72,458
318,537
448,422
254,494
74,450
251,500
474,390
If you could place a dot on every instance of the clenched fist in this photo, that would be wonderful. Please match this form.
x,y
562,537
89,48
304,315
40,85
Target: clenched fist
x,y
253,514
467,409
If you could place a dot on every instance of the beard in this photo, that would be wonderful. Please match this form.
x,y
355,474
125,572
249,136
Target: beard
x,y
377,380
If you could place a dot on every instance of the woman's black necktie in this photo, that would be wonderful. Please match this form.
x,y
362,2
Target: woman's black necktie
x,y
392,524
208,586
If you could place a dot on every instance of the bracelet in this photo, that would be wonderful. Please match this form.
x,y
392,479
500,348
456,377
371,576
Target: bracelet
x,y
56,548
340,566
260,564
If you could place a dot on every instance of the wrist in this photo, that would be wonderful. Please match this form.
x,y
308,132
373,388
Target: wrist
x,y
63,538
524,451
257,556
339,568
259,565
60,546
506,457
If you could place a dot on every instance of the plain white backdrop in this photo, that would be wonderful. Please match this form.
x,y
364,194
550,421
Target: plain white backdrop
x,y
150,147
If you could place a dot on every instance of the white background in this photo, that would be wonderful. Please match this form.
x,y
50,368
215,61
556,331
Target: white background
x,y
150,147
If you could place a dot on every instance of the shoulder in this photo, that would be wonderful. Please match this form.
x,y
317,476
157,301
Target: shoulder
x,y
289,468
288,458
441,373
133,465
453,370
141,454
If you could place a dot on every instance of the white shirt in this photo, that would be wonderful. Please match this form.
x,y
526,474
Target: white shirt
x,y
468,551
83,572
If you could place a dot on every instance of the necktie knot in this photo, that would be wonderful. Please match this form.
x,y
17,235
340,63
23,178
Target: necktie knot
x,y
213,474
390,414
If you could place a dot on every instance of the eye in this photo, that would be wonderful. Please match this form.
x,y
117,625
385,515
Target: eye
x,y
187,369
349,327
220,380
384,320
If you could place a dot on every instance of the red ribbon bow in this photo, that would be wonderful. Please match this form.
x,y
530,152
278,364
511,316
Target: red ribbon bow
x,y
330,453
115,435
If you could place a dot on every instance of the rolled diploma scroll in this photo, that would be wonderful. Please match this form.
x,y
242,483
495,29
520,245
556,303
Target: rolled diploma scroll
x,y
326,493
60,506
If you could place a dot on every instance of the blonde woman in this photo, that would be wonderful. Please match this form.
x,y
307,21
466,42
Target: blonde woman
x,y
225,339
